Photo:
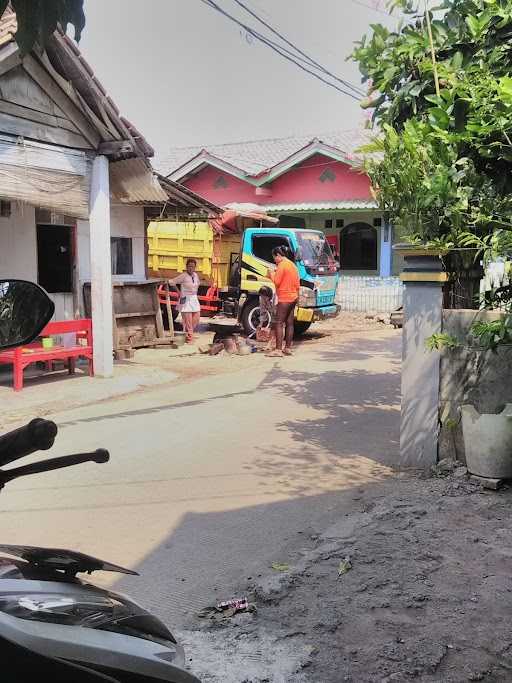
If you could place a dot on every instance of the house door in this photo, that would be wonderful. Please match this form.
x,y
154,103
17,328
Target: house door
x,y
56,266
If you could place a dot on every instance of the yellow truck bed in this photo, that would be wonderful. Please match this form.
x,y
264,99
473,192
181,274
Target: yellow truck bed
x,y
170,244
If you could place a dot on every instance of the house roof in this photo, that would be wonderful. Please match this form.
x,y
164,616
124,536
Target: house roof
x,y
256,158
62,60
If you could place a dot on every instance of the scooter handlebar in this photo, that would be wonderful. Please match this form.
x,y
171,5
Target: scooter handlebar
x,y
99,456
37,435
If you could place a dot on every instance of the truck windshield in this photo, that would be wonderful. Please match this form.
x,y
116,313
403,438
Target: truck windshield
x,y
316,251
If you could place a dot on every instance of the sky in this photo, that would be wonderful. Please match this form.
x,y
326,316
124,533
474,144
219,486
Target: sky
x,y
185,75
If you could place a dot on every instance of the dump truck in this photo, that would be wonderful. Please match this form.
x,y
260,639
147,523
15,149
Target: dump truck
x,y
233,267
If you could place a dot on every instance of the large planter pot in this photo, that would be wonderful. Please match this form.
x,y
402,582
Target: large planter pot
x,y
488,442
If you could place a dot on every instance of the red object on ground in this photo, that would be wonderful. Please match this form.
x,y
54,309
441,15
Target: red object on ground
x,y
24,356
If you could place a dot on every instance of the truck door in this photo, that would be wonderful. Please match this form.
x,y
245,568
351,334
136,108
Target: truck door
x,y
257,256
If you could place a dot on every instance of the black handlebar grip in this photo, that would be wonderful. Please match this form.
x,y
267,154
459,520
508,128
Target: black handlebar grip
x,y
101,455
37,435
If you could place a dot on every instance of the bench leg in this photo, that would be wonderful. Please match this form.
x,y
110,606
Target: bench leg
x,y
18,377
91,367
72,366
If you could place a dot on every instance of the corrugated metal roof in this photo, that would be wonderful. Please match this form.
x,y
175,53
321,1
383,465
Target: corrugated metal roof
x,y
133,181
255,156
352,204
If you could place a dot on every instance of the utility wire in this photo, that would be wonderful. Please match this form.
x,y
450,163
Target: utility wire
x,y
372,7
283,52
309,59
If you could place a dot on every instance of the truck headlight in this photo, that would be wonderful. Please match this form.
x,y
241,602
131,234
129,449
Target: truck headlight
x,y
307,297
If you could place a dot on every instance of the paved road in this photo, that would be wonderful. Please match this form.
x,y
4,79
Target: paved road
x,y
212,481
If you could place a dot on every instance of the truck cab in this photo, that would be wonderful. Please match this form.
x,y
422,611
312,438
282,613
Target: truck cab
x,y
318,273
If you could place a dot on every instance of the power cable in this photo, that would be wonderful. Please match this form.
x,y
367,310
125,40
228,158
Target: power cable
x,y
283,52
309,59
372,7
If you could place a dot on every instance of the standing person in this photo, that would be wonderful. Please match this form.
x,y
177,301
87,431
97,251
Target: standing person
x,y
189,305
287,283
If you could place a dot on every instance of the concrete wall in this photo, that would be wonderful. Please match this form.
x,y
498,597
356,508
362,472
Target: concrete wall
x,y
468,375
18,245
125,221
18,249
420,376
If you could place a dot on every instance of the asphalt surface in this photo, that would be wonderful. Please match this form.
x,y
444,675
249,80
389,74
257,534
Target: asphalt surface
x,y
212,481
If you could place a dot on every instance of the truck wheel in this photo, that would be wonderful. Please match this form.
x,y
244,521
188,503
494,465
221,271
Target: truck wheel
x,y
301,327
250,318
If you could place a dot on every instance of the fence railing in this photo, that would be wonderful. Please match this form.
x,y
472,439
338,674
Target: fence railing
x,y
369,294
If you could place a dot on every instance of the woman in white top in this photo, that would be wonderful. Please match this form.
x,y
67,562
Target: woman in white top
x,y
189,305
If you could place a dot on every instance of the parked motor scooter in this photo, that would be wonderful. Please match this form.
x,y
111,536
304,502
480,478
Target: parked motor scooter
x,y
55,626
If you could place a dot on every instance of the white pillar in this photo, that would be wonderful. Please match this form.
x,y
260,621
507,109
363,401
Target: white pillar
x,y
101,273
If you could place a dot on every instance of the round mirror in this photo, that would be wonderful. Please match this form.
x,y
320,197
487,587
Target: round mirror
x,y
25,308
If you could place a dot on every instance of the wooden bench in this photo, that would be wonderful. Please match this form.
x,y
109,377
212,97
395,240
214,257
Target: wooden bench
x,y
24,356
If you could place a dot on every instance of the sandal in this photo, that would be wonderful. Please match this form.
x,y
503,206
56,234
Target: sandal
x,y
275,354
287,352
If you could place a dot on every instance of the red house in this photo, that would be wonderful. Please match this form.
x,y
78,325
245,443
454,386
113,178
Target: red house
x,y
313,183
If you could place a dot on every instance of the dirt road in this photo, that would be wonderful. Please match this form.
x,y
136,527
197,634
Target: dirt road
x,y
213,480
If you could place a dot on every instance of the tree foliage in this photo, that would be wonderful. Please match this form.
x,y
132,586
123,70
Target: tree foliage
x,y
38,19
444,170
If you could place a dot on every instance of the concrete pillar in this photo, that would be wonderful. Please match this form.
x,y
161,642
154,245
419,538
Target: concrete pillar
x,y
423,277
386,251
101,269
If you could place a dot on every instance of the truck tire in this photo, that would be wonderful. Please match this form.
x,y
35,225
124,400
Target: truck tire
x,y
301,327
251,316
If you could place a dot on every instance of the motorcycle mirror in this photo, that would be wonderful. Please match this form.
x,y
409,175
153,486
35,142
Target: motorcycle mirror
x,y
25,309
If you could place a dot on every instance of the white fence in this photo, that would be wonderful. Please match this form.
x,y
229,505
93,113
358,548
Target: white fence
x,y
370,294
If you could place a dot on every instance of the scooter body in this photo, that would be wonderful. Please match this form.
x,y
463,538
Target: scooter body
x,y
54,625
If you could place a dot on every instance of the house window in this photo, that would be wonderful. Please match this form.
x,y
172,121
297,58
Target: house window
x,y
340,223
359,247
377,222
291,222
328,224
262,246
122,255
55,258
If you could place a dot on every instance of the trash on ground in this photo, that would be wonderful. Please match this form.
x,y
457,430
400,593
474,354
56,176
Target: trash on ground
x,y
280,566
227,609
344,566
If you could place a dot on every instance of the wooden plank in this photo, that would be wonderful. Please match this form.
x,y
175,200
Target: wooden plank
x,y
138,314
61,99
38,131
9,58
34,115
169,311
159,320
115,147
78,100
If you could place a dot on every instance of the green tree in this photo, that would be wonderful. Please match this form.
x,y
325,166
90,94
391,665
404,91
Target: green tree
x,y
38,19
444,164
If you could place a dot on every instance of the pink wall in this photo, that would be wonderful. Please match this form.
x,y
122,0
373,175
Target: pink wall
x,y
316,179
319,179
221,188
